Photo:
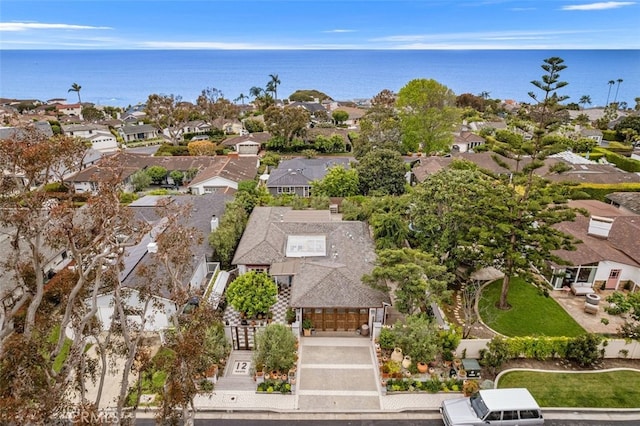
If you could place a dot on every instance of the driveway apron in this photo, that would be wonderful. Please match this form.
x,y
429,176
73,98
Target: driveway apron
x,y
337,374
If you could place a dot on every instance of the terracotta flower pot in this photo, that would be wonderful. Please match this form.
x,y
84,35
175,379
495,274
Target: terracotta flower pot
x,y
422,367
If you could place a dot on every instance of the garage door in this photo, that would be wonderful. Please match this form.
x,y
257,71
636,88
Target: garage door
x,y
337,319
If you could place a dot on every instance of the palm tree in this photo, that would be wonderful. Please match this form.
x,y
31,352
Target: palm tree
x,y
75,87
256,91
272,85
611,83
484,95
615,98
241,97
585,100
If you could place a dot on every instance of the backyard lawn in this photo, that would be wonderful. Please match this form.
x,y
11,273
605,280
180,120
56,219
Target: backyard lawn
x,y
611,389
531,312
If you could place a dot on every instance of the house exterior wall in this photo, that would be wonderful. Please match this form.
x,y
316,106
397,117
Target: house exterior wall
x,y
204,187
627,272
199,275
81,187
300,191
104,144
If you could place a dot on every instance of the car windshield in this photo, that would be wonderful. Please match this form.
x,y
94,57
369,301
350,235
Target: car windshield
x,y
479,406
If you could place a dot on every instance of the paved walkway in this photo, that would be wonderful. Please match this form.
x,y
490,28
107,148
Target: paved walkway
x,y
335,375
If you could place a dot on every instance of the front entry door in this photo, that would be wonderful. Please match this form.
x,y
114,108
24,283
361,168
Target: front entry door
x,y
614,277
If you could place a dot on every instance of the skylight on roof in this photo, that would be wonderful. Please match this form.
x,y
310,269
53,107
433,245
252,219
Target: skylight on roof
x,y
306,246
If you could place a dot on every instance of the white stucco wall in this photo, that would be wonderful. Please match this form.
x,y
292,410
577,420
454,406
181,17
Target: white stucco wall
x,y
627,272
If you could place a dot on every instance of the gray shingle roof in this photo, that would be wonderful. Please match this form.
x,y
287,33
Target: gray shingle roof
x,y
333,280
303,171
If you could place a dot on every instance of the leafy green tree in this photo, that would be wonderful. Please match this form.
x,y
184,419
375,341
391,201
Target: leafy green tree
x,y
286,123
414,278
390,230
270,159
91,113
169,113
140,180
518,233
381,171
275,348
584,349
214,106
252,125
340,116
177,176
380,126
252,293
225,239
427,115
308,96
338,182
418,337
75,87
157,174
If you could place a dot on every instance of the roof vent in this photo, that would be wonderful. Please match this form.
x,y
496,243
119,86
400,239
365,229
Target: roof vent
x,y
600,226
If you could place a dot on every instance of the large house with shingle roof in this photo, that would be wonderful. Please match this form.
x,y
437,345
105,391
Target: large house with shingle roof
x,y
212,173
609,253
295,176
322,258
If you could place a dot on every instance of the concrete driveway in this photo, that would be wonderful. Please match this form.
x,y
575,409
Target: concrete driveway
x,y
337,374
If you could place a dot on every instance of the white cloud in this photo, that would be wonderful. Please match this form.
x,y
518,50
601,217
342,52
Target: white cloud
x,y
599,6
339,31
489,35
25,26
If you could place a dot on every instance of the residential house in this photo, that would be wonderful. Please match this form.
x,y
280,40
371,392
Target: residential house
x,y
594,134
74,110
628,202
321,258
608,256
229,127
295,176
138,132
224,174
197,277
249,144
465,141
311,107
197,127
355,115
100,136
218,172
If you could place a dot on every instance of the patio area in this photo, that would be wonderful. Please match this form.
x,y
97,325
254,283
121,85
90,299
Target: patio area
x,y
591,322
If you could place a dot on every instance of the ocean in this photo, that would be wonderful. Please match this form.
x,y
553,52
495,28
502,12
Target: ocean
x,y
128,77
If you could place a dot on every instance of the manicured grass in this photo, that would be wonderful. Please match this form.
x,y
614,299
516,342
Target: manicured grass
x,y
612,389
531,313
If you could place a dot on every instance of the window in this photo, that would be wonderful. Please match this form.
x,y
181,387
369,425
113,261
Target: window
x,y
493,416
209,189
509,415
529,414
286,190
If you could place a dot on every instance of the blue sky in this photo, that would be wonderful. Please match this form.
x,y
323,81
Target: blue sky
x,y
319,24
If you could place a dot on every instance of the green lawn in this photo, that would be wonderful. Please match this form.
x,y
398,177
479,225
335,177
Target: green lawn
x,y
531,312
613,389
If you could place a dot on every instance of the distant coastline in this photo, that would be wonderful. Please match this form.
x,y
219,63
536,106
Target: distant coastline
x,y
127,77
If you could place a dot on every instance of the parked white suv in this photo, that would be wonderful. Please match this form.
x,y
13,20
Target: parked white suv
x,y
503,407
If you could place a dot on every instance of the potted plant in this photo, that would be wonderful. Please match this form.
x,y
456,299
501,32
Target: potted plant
x,y
469,387
307,325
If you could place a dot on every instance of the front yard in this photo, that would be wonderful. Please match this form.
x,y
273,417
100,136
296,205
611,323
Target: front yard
x,y
610,389
531,314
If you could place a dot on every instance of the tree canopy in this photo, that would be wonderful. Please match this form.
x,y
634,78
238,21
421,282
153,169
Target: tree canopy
x,y
252,293
427,115
338,182
381,171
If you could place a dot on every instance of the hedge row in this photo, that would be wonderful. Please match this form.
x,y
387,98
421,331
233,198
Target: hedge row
x,y
623,163
598,191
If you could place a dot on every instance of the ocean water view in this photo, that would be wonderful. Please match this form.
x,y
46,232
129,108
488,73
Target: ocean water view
x,y
128,77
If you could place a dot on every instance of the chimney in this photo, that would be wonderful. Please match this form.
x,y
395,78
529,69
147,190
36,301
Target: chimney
x,y
214,223
600,226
